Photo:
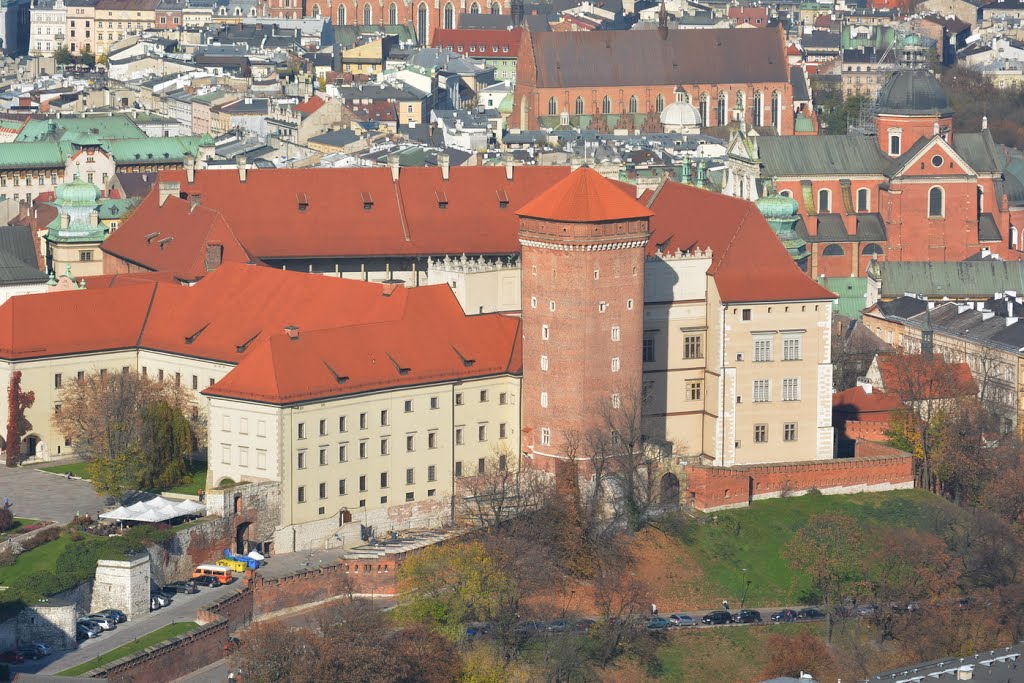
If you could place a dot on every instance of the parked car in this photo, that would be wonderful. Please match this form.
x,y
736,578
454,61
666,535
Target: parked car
x,y
186,587
584,625
12,657
785,615
207,581
154,604
160,598
106,623
682,620
87,628
527,627
866,610
115,614
42,649
747,616
715,618
233,644
810,613
29,652
558,626
658,624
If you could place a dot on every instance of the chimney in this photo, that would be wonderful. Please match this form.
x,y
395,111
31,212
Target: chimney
x,y
214,256
94,218
167,190
507,159
442,161
194,201
393,164
292,331
242,168
65,221
190,168
965,673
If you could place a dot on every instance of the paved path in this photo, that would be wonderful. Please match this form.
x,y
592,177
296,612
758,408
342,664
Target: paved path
x,y
43,495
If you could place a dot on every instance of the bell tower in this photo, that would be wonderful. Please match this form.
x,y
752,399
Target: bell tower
x,y
583,243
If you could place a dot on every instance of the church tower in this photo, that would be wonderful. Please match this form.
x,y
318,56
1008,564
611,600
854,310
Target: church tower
x,y
583,243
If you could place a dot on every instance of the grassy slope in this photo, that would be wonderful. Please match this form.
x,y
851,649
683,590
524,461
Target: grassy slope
x,y
141,643
38,559
77,469
754,538
194,483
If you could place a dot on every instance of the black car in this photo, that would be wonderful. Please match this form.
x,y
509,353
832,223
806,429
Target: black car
x,y
810,613
186,587
747,616
115,614
206,581
784,615
715,618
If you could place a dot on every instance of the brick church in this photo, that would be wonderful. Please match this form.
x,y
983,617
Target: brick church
x,y
915,188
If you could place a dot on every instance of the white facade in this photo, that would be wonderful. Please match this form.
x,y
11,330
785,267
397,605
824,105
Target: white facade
x,y
48,21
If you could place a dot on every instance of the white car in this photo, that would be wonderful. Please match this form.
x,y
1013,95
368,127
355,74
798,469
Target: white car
x,y
104,622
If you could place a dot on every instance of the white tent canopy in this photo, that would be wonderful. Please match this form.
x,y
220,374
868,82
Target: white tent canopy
x,y
155,510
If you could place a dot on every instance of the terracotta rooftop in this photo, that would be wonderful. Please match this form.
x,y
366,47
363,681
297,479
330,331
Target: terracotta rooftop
x,y
585,196
858,404
309,106
918,377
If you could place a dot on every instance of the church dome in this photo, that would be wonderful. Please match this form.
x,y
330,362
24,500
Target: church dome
x,y
777,207
680,115
77,193
913,92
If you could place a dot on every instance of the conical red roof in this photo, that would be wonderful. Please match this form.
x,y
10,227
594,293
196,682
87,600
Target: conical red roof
x,y
584,196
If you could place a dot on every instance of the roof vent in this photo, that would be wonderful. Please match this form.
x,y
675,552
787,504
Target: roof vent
x,y
442,200
303,201
195,335
466,362
244,345
398,366
164,242
367,200
151,236
502,199
292,331
339,378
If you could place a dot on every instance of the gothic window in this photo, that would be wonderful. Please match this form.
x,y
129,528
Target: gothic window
x,y
758,119
367,14
659,103
776,110
341,16
824,201
703,109
393,14
741,102
722,102
495,8
579,106
606,105
449,16
552,107
316,11
474,8
422,23
936,203
833,250
862,200
632,104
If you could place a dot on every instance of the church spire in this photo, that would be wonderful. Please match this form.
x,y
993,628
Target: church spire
x,y
663,21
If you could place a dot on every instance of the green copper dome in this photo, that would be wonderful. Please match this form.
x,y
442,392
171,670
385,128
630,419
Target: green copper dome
x,y
777,207
77,193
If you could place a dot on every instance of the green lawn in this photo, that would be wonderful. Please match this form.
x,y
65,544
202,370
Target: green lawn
x,y
753,538
43,558
195,482
77,469
721,653
141,643
19,524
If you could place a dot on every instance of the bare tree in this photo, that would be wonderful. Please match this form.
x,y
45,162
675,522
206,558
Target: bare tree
x,y
502,491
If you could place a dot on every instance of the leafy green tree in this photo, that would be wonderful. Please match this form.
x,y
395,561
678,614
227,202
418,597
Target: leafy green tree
x,y
62,55
87,58
167,440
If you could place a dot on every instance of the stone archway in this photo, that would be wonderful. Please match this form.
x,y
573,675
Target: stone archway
x,y
242,538
669,489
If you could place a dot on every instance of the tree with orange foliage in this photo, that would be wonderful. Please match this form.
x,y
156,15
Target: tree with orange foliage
x,y
797,654
17,402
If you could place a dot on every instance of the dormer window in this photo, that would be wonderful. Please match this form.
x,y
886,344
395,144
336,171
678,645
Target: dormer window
x,y
502,199
442,200
367,200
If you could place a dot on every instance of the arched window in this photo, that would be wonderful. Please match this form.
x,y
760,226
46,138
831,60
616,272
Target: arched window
x,y
723,101
981,200
1013,237
238,11
393,14
833,250
316,11
936,203
632,104
474,8
703,109
872,249
776,111
552,107
863,200
422,23
659,103
367,14
495,8
606,105
758,114
579,106
741,102
824,201
895,144
449,16
341,16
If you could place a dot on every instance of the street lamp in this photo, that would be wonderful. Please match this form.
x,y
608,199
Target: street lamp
x,y
746,584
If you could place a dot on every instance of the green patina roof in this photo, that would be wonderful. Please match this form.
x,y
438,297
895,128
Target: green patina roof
x,y
852,293
34,154
776,207
117,209
77,193
156,150
210,97
88,130
347,35
803,124
973,279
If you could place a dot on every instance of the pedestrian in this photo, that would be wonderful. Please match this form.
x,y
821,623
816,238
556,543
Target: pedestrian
x,y
725,604
7,502
654,610
67,475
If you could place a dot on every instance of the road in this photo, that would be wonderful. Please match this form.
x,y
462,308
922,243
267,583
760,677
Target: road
x,y
182,608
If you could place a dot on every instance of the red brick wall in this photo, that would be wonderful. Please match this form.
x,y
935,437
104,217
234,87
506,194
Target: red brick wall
x,y
712,488
376,576
913,128
579,381
866,448
406,12
860,429
173,659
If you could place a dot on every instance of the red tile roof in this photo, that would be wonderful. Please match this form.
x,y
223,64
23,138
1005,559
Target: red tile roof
x,y
920,377
585,196
858,404
309,106
496,44
749,262
126,279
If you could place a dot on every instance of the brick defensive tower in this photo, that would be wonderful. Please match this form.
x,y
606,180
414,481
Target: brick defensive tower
x,y
583,243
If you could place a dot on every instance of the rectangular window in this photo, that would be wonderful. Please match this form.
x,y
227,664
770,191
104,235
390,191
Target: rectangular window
x,y
459,438
408,406
261,459
159,375
791,348
543,399
383,480
458,399
789,431
432,440
261,428
85,256
362,450
648,350
300,460
745,314
323,491
615,364
341,487
481,433
323,427
410,496
432,473
177,379
502,431
762,350
481,466
302,494
545,436
243,456
695,390
384,418
58,381
362,420
760,433
458,468
81,374
362,483
410,443
693,346
302,430
503,398
544,363
434,403
410,477
791,389
195,381
762,390
616,333
545,332
343,452
384,448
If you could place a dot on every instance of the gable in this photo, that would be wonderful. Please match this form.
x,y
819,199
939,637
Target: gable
x,y
934,157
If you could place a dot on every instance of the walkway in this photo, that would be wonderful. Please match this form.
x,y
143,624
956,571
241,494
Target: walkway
x,y
36,494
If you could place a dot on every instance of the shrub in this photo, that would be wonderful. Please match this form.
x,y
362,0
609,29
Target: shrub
x,y
46,535
6,519
7,556
148,534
